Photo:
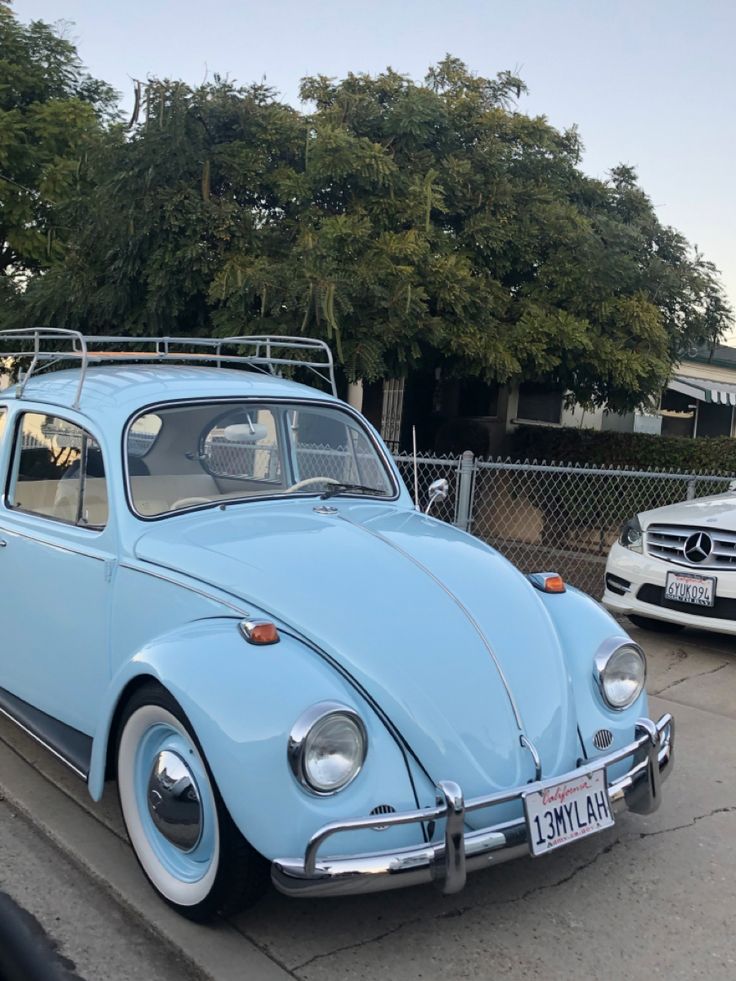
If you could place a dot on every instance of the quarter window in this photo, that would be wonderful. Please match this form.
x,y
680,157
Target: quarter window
x,y
143,434
58,472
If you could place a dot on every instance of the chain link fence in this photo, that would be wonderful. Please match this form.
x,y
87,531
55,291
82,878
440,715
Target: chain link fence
x,y
551,517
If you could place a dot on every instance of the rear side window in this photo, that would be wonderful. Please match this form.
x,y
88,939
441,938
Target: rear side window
x,y
58,472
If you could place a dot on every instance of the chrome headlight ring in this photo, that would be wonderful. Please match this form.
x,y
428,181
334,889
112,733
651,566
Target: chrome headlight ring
x,y
620,671
327,748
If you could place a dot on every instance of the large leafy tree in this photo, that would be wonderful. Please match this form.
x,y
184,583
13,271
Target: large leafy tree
x,y
407,223
50,112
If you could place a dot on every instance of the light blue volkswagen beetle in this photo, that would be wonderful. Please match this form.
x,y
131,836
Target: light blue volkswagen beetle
x,y
217,591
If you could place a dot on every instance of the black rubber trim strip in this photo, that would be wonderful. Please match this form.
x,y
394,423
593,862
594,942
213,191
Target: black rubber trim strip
x,y
71,746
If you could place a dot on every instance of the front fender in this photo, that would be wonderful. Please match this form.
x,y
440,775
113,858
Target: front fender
x,y
583,625
242,701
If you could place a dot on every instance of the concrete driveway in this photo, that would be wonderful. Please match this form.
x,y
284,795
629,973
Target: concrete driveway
x,y
652,897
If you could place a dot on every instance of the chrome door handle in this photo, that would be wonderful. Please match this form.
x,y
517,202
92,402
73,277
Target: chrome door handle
x,y
3,543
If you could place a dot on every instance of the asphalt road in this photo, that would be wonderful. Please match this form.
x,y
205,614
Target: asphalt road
x,y
651,897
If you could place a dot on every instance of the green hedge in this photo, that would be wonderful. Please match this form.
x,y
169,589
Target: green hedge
x,y
639,451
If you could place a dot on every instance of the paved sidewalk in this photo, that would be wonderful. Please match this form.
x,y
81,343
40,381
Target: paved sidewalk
x,y
650,897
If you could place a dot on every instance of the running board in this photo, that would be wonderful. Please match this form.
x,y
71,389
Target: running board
x,y
69,745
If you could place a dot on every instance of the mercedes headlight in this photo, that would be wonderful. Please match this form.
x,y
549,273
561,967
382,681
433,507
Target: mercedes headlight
x,y
621,671
631,535
327,747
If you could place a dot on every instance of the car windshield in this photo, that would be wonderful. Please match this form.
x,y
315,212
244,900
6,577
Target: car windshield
x,y
186,456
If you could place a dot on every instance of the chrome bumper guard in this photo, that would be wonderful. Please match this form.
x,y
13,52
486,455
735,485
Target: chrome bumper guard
x,y
447,862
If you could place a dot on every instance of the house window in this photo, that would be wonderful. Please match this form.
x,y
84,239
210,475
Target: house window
x,y
539,402
678,414
477,398
714,419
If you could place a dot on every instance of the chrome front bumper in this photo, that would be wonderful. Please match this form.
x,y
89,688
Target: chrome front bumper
x,y
447,862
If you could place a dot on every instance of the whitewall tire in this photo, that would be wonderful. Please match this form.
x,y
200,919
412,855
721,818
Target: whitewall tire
x,y
181,832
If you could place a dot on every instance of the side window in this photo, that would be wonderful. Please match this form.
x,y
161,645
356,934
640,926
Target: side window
x,y
3,411
58,472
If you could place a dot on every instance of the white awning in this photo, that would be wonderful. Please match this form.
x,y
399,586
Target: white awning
x,y
704,389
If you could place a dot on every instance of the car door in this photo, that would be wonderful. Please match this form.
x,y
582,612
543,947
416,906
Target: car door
x,y
55,570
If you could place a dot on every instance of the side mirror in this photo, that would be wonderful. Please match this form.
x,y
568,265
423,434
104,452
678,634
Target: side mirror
x,y
438,491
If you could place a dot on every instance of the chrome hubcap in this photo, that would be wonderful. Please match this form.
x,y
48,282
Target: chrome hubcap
x,y
173,801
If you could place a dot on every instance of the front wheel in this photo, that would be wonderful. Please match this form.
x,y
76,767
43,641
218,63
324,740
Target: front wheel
x,y
181,832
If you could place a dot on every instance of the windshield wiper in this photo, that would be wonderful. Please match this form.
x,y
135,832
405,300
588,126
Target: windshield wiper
x,y
340,488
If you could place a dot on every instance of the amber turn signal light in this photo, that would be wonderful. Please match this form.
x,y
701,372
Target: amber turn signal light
x,y
260,632
548,582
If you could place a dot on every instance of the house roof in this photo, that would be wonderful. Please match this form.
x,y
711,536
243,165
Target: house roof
x,y
719,354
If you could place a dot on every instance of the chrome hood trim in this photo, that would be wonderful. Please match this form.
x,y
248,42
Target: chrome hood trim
x,y
460,605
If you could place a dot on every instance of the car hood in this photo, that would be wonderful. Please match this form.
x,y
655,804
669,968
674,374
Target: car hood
x,y
445,634
719,510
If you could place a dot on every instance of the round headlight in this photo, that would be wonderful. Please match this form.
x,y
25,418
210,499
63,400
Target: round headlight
x,y
327,747
621,670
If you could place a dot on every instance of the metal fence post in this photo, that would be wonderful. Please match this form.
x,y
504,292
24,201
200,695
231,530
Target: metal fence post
x,y
465,490
691,489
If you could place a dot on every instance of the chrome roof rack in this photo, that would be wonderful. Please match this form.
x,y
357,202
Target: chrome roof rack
x,y
263,352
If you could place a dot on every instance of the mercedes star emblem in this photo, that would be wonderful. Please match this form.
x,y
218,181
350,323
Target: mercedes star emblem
x,y
698,547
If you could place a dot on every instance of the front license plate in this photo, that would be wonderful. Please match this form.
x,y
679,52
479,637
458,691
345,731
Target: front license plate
x,y
688,587
566,812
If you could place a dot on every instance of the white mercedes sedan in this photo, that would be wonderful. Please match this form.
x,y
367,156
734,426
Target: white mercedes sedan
x,y
675,567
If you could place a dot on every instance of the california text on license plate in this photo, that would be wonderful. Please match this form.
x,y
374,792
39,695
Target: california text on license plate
x,y
688,587
567,811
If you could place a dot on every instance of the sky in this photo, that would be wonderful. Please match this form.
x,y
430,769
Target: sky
x,y
650,83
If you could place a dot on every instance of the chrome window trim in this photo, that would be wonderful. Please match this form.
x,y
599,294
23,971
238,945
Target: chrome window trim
x,y
600,662
233,399
298,737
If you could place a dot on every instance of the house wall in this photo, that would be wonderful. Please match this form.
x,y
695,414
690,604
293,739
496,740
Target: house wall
x,y
617,422
582,418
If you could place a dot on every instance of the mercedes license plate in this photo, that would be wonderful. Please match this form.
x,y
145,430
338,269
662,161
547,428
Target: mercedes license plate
x,y
688,587
567,811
